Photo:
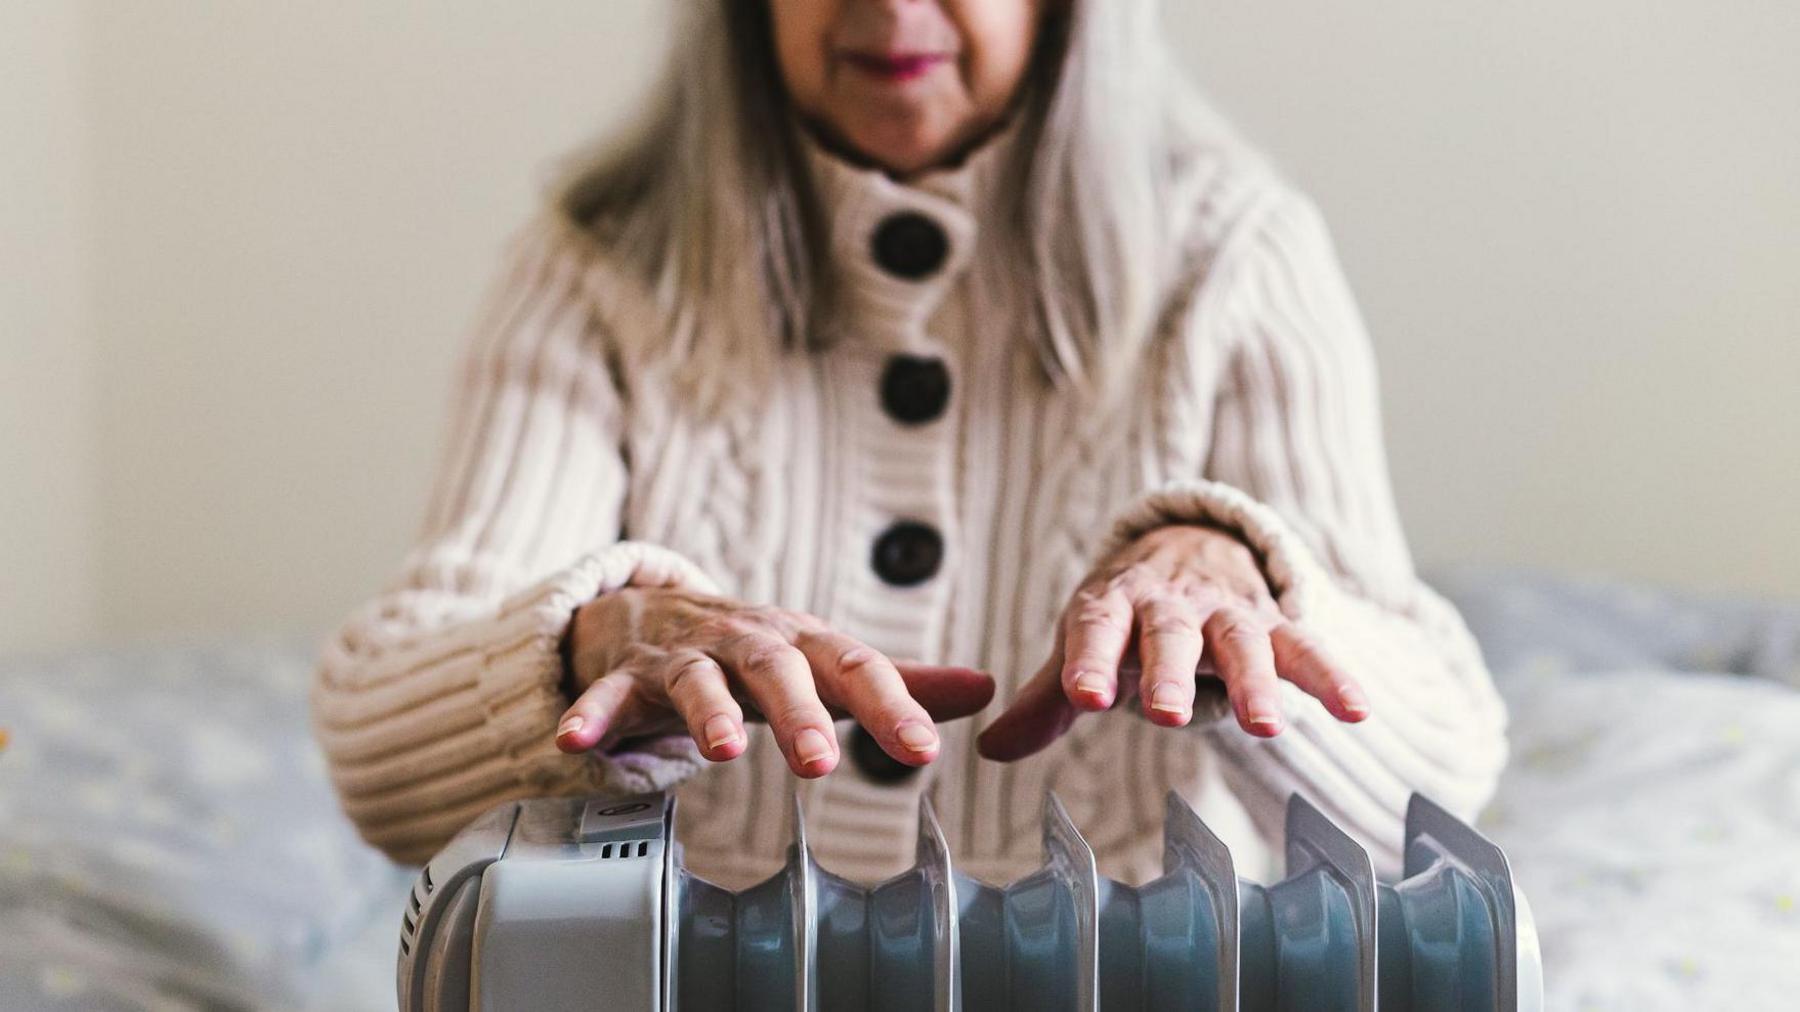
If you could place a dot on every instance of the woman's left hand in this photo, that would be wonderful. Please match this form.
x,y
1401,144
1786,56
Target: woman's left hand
x,y
1179,600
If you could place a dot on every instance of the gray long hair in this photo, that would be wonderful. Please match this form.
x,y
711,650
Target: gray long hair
x,y
716,168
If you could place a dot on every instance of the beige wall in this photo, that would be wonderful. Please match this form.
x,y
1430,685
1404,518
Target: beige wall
x,y
303,203
48,561
1575,229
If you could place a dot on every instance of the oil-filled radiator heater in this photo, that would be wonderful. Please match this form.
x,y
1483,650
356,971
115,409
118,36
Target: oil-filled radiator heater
x,y
567,903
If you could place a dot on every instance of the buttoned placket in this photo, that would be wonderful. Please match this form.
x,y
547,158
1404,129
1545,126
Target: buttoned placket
x,y
902,255
900,252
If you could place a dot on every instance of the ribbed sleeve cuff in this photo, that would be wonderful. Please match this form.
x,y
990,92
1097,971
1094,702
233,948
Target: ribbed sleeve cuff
x,y
520,680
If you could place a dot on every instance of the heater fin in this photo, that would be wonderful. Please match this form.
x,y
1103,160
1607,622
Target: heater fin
x,y
802,876
1073,868
674,888
940,882
1190,846
1329,875
1437,840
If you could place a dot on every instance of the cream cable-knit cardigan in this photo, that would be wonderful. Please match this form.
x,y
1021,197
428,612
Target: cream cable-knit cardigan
x,y
572,472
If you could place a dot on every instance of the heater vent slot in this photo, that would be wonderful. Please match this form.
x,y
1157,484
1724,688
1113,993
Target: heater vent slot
x,y
627,849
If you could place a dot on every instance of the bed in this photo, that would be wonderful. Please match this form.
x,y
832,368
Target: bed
x,y
168,839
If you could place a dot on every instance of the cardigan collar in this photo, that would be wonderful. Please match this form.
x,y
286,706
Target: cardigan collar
x,y
899,247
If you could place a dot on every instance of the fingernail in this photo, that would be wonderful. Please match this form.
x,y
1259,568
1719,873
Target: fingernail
x,y
569,726
810,746
916,737
720,730
1168,697
1272,721
1090,683
1353,702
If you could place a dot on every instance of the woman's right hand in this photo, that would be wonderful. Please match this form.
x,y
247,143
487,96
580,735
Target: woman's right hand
x,y
652,661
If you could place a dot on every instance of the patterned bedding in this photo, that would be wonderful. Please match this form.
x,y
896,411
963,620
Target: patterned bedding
x,y
168,839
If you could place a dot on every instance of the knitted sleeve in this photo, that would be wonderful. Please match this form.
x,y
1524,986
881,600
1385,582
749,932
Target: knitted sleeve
x,y
438,698
1298,470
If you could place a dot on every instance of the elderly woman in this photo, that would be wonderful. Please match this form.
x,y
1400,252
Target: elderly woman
x,y
905,334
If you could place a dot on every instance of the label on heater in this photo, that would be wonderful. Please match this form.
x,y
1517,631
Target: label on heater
x,y
630,818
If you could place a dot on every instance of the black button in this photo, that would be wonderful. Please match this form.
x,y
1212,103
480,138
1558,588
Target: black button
x,y
908,553
915,390
909,245
876,764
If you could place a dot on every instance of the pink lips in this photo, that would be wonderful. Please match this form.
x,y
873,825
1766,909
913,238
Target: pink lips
x,y
895,67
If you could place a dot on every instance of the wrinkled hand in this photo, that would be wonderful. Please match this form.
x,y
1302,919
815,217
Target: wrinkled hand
x,y
650,661
1179,601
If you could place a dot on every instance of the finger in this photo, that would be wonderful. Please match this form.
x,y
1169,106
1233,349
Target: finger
x,y
780,683
697,689
1169,647
1038,716
947,692
857,677
1300,659
594,712
1246,661
1094,641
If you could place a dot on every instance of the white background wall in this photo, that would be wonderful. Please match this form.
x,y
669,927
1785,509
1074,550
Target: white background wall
x,y
240,243
49,509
